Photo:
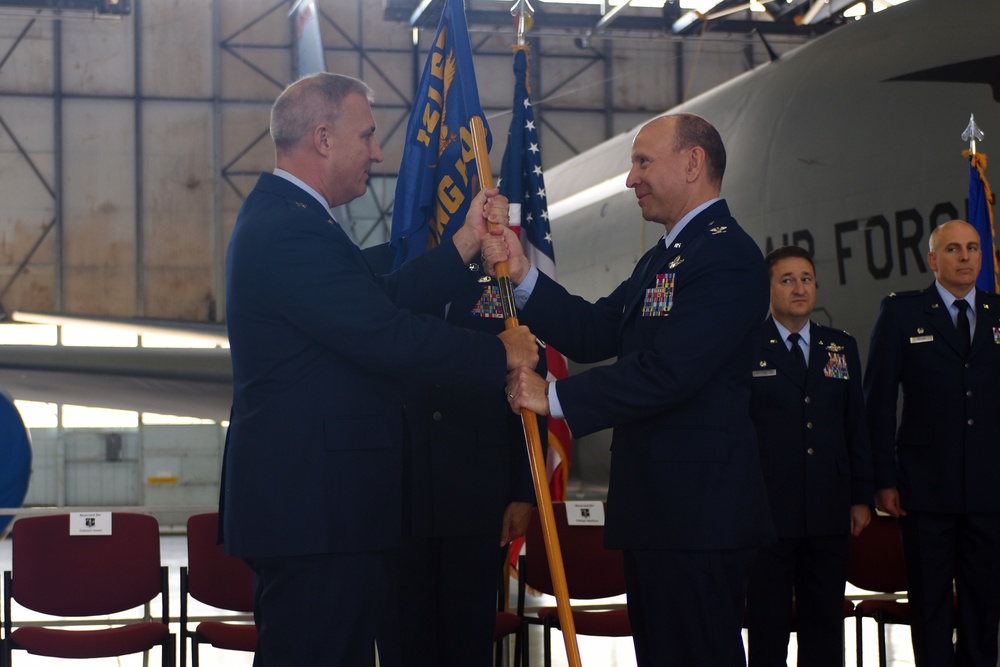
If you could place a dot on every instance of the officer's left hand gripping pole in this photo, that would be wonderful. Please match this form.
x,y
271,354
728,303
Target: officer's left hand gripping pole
x,y
531,435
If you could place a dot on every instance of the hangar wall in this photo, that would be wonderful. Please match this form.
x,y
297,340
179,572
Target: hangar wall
x,y
126,147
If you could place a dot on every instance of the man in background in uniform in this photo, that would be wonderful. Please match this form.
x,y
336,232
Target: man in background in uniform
x,y
940,472
808,407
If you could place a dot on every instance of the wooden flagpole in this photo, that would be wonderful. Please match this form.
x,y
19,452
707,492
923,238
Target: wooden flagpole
x,y
532,438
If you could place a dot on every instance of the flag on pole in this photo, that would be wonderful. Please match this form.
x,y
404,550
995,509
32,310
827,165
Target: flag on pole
x,y
522,182
438,176
981,217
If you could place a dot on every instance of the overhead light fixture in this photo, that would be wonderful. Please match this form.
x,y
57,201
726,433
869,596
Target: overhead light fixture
x,y
686,19
588,196
855,12
58,14
90,10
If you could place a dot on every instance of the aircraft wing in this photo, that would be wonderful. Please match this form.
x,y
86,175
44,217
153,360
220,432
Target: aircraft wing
x,y
187,382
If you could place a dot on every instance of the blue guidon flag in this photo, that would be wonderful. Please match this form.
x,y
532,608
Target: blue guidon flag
x,y
981,217
15,458
438,176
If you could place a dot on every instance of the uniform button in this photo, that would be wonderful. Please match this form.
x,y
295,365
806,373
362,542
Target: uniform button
x,y
968,365
809,425
971,422
809,451
436,416
808,400
968,393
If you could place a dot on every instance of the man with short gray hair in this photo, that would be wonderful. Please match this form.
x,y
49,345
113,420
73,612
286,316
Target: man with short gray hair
x,y
312,477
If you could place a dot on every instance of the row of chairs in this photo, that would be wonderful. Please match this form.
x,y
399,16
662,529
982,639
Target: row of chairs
x,y
56,574
102,576
875,564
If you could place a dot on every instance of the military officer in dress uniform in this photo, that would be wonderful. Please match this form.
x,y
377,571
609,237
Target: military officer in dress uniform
x,y
808,407
940,472
686,499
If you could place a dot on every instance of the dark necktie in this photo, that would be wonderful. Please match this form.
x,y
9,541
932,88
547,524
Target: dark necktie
x,y
964,330
799,359
659,251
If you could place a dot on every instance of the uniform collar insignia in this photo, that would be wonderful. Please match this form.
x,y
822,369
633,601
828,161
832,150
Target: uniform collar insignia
x,y
677,245
300,204
763,364
718,230
773,341
935,305
986,306
920,330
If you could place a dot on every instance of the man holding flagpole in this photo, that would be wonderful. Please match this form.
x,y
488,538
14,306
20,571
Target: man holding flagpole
x,y
311,493
686,500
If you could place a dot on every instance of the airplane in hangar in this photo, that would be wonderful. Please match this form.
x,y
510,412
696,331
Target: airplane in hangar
x,y
849,145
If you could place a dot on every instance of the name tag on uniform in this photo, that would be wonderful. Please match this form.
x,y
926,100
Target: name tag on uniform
x,y
765,373
921,339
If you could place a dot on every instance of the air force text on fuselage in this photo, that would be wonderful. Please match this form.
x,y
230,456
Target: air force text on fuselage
x,y
880,247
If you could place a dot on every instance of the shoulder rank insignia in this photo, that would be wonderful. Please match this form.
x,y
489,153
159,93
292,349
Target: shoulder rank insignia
x,y
675,262
833,347
718,230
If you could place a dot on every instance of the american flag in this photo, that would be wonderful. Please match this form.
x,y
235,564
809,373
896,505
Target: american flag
x,y
521,181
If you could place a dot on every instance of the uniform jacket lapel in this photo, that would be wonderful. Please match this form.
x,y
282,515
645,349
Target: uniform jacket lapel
x,y
672,260
986,320
778,355
939,319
